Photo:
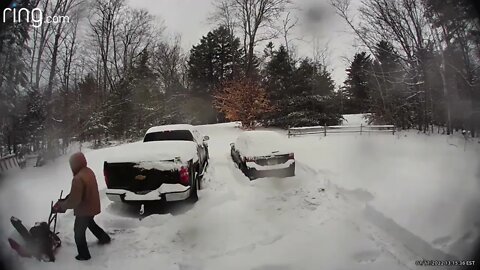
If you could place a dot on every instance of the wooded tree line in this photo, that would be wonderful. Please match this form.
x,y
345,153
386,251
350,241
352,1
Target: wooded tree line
x,y
111,72
421,64
107,73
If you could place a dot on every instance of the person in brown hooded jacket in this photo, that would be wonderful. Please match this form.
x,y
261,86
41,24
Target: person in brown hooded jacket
x,y
84,199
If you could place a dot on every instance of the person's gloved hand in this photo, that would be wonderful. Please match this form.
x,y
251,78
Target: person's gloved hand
x,y
57,207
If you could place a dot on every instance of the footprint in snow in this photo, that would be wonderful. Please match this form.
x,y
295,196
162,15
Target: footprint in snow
x,y
119,231
470,236
121,224
270,240
442,241
366,256
273,267
309,205
186,266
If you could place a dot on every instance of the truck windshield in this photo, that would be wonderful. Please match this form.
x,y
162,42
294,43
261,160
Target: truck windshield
x,y
173,135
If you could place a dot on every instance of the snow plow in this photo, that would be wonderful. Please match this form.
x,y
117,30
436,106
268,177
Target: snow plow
x,y
40,242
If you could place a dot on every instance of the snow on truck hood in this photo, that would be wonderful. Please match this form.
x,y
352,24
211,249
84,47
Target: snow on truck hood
x,y
151,154
262,143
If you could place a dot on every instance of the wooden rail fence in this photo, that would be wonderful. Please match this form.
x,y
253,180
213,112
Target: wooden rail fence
x,y
299,131
10,162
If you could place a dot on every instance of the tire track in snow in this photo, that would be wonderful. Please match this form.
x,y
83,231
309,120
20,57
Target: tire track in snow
x,y
390,237
348,206
268,192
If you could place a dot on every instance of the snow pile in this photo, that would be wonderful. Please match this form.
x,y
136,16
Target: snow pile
x,y
261,143
170,128
160,165
153,151
270,167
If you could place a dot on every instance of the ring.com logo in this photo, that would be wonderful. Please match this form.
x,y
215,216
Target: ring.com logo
x,y
16,13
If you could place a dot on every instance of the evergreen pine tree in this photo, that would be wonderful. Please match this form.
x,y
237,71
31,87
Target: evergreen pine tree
x,y
13,78
356,89
302,96
217,59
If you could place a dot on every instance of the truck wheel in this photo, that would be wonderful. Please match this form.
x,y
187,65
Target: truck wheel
x,y
292,171
200,174
193,187
199,181
242,167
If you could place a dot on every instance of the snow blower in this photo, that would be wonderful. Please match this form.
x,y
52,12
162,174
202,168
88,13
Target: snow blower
x,y
41,241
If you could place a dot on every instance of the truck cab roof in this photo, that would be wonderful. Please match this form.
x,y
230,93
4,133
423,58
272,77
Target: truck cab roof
x,y
170,127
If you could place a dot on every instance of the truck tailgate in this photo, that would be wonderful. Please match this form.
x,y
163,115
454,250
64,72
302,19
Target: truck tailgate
x,y
130,177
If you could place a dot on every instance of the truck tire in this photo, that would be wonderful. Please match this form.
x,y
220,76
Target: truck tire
x,y
199,180
291,171
248,173
242,167
200,174
194,186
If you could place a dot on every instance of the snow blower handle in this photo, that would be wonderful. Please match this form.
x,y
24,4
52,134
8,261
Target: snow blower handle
x,y
55,207
53,214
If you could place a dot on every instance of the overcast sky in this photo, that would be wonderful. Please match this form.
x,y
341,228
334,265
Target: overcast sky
x,y
189,18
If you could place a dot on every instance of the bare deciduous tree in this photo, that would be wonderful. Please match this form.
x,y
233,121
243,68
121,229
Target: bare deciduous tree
x,y
256,20
288,24
169,66
224,16
342,8
134,35
103,25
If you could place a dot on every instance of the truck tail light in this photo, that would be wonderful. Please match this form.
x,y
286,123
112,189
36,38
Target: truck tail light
x,y
291,156
184,176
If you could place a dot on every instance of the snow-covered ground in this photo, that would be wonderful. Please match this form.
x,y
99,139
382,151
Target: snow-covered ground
x,y
354,120
378,201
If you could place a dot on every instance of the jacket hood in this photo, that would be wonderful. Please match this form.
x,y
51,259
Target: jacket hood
x,y
77,162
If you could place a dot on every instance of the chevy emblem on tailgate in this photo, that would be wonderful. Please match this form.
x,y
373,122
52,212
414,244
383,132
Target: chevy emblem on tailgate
x,y
140,177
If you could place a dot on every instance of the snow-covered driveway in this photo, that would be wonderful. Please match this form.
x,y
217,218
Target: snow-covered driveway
x,y
304,222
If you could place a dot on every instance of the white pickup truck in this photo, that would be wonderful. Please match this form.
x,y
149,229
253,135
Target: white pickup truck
x,y
167,166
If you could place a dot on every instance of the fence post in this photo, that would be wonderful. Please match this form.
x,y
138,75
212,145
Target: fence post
x,y
288,132
361,127
393,130
325,129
